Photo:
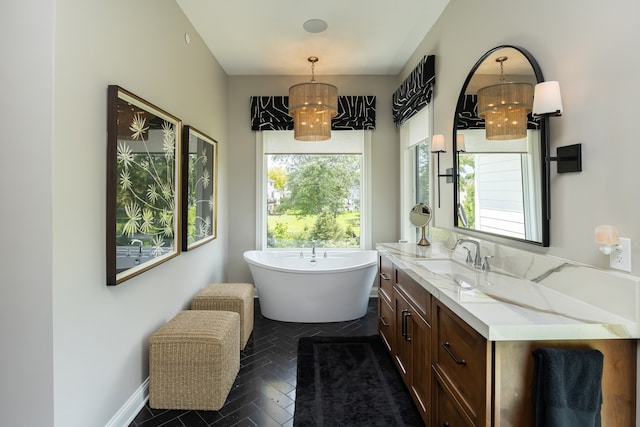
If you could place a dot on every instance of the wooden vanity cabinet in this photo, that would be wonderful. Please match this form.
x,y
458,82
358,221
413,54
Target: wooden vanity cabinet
x,y
386,316
456,377
412,348
461,365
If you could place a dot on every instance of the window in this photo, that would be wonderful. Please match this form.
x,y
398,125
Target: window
x,y
313,191
415,167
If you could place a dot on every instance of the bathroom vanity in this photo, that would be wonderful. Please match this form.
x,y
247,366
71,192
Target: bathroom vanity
x,y
462,339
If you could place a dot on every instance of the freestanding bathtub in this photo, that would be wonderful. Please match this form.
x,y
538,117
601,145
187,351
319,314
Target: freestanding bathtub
x,y
334,288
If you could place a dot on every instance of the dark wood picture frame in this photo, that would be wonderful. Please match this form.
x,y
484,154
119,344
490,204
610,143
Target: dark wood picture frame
x,y
199,188
143,185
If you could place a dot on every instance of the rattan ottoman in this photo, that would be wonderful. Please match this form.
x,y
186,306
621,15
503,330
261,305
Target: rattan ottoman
x,y
236,297
194,360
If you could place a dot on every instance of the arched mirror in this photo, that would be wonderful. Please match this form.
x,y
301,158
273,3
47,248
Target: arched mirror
x,y
501,185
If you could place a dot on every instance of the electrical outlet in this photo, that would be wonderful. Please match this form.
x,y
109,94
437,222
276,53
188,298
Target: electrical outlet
x,y
622,260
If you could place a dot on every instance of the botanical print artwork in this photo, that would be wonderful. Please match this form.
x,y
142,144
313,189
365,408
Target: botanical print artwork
x,y
144,193
200,189
146,188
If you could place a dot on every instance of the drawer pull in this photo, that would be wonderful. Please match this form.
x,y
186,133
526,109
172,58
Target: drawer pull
x,y
405,327
384,276
384,323
447,348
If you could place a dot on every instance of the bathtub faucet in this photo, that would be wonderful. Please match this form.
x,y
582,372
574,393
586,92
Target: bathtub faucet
x,y
133,243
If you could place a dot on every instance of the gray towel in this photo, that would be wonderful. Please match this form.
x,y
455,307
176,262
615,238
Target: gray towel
x,y
567,387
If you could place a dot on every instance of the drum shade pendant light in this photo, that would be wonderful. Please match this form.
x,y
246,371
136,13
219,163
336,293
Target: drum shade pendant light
x,y
312,105
504,107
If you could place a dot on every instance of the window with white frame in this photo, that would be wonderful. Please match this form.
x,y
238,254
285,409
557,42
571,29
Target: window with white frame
x,y
415,167
313,191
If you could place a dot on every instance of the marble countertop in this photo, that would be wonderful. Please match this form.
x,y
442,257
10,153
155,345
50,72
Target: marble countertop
x,y
504,307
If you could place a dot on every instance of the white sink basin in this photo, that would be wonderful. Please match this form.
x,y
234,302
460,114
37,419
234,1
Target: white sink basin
x,y
440,266
463,275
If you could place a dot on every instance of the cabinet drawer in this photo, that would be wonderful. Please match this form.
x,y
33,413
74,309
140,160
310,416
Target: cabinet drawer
x,y
416,294
460,358
385,277
385,322
446,412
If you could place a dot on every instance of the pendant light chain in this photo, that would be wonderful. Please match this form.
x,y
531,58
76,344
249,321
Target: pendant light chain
x,y
313,60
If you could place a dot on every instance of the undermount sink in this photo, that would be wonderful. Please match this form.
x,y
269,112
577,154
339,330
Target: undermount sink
x,y
440,266
463,275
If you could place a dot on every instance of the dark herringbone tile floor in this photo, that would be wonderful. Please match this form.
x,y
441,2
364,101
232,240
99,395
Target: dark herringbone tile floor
x,y
264,392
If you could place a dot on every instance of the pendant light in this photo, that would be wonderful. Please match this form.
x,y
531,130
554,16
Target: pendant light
x,y
504,107
312,105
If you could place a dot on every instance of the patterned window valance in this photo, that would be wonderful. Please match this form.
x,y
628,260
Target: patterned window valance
x,y
468,115
416,91
354,113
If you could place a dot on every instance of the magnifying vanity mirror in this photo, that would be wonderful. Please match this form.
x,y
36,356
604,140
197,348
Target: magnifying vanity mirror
x,y
501,185
420,216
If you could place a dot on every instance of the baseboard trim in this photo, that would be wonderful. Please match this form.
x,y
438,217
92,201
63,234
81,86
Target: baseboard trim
x,y
132,407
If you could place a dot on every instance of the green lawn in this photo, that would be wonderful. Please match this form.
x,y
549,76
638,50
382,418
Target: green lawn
x,y
297,225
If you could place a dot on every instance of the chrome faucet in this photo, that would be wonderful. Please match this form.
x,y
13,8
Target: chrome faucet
x,y
313,249
133,242
476,258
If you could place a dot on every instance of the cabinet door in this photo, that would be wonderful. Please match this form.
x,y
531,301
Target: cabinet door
x,y
446,412
460,359
421,364
385,277
402,346
386,322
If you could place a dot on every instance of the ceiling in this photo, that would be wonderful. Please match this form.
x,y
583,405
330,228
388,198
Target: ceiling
x,y
258,37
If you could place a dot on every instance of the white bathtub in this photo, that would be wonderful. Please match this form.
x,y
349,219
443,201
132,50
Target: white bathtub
x,y
313,290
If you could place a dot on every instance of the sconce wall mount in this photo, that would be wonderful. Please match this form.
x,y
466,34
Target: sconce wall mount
x,y
568,158
438,146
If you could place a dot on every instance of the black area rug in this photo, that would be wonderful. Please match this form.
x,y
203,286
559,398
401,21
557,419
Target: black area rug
x,y
350,381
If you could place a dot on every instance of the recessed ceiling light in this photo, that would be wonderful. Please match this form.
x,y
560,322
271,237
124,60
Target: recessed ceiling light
x,y
315,25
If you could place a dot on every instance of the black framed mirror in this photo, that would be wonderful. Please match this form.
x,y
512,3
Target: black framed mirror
x,y
501,184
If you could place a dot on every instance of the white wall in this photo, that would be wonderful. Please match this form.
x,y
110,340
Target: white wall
x,y
242,158
590,49
26,114
73,349
100,332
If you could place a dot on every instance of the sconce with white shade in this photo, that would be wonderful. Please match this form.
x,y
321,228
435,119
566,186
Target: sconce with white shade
x,y
438,146
608,239
547,100
460,147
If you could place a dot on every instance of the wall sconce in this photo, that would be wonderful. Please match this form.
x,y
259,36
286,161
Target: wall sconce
x,y
460,147
608,239
547,102
438,146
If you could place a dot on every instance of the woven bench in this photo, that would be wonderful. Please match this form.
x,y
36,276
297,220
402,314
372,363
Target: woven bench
x,y
237,297
194,360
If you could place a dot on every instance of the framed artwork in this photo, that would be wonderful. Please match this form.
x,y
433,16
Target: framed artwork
x,y
199,188
143,191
